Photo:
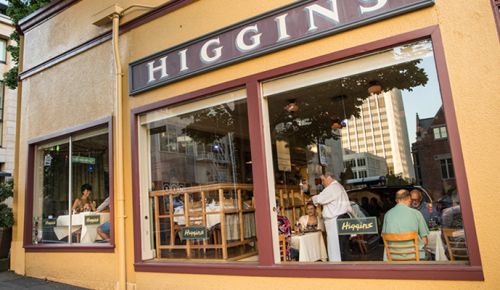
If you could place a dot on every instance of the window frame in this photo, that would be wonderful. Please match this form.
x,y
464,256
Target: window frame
x,y
2,112
495,4
266,265
5,52
30,179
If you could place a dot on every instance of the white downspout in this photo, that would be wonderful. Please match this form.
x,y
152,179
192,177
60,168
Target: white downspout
x,y
120,198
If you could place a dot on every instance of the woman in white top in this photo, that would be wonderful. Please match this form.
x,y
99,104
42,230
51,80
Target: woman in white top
x,y
311,221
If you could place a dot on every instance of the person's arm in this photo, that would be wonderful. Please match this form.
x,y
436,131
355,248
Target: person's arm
x,y
423,230
76,204
426,241
326,196
92,206
103,205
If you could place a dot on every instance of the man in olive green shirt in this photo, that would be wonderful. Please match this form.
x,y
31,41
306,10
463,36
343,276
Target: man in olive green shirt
x,y
402,219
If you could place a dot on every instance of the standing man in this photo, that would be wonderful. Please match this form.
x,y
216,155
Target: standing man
x,y
402,219
335,205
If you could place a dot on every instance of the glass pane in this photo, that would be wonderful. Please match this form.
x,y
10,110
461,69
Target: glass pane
x,y
53,222
50,196
385,109
90,189
201,180
3,50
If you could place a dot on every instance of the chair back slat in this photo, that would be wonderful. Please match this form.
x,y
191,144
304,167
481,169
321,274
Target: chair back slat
x,y
456,249
393,241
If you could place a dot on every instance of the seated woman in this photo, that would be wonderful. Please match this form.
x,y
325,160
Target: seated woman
x,y
284,229
311,221
84,202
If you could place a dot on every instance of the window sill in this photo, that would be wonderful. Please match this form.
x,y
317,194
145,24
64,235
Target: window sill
x,y
345,271
110,248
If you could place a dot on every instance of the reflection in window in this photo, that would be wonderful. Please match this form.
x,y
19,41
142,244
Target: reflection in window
x,y
3,50
78,165
447,169
440,133
200,190
384,111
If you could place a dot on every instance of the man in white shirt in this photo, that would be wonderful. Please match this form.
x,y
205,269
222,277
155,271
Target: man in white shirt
x,y
335,205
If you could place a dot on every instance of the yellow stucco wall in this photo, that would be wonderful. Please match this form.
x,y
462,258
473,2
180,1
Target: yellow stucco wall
x,y
54,100
473,61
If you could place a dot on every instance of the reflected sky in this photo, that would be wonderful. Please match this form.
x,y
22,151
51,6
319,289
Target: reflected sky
x,y
424,100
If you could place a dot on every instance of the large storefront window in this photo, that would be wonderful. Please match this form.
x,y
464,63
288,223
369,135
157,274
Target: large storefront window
x,y
71,203
359,174
196,181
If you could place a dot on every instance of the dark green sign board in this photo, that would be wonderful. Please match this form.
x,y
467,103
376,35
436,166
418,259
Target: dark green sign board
x,y
194,233
91,220
49,222
359,226
83,160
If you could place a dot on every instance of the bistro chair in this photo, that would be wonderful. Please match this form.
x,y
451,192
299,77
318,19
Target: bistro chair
x,y
282,240
457,248
397,244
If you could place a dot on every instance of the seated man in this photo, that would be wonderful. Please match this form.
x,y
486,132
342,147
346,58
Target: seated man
x,y
426,209
402,219
103,230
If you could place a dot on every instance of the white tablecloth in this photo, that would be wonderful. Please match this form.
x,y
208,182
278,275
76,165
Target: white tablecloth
x,y
436,246
311,246
88,233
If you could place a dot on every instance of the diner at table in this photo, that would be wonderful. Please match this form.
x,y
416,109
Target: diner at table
x,y
84,223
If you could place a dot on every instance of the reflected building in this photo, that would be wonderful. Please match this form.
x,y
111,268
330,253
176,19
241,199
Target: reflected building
x,y
432,155
381,130
364,164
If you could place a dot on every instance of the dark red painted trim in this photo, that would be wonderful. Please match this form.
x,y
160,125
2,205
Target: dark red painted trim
x,y
111,181
28,205
344,271
456,149
259,173
71,130
143,19
65,55
266,266
69,248
495,4
43,14
136,188
28,201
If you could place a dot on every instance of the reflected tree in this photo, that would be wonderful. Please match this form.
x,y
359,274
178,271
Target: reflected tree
x,y
318,106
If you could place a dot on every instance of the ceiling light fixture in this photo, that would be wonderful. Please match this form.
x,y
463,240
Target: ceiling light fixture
x,y
291,106
375,88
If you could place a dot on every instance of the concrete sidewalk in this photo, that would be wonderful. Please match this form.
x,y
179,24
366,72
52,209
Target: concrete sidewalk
x,y
12,281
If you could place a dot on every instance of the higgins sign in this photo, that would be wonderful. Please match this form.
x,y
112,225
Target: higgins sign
x,y
297,23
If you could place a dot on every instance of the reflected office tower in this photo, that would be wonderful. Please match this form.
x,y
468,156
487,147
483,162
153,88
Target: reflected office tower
x,y
381,130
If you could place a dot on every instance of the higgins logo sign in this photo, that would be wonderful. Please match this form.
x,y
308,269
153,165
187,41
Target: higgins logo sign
x,y
284,27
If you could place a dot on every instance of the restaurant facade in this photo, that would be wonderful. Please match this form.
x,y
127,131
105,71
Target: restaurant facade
x,y
177,144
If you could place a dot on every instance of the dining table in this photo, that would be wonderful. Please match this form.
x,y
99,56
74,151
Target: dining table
x,y
311,246
436,245
86,222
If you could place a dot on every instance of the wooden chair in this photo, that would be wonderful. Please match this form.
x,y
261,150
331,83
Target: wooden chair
x,y
393,244
457,248
282,240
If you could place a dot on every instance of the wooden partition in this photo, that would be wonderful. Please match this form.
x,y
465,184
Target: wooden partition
x,y
292,202
225,210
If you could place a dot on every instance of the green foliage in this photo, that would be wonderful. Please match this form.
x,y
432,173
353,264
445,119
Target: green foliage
x,y
396,180
6,215
17,10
